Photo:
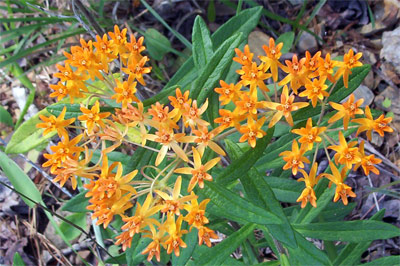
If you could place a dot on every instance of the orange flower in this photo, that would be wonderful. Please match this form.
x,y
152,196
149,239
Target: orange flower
x,y
366,124
227,92
381,125
245,58
162,116
125,93
205,234
350,60
175,241
326,66
315,90
199,171
118,40
346,110
204,139
192,115
173,204
154,247
296,75
52,123
228,119
309,134
308,194
136,47
104,51
64,149
248,103
312,64
169,140
367,161
196,213
271,61
345,153
93,116
59,90
253,76
294,159
142,216
252,131
136,69
284,108
180,100
342,190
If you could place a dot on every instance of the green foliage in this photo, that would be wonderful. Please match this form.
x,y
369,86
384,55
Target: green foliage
x,y
157,44
5,117
287,39
77,204
71,232
17,260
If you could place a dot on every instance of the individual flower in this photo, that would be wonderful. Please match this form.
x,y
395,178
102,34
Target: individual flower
x,y
59,90
380,125
346,153
346,110
158,237
309,134
350,60
368,162
310,180
326,66
174,242
172,204
199,171
315,90
136,69
52,123
366,124
252,131
203,138
205,234
180,100
196,212
285,108
254,76
295,158
248,103
169,140
296,75
191,115
228,93
125,93
118,40
228,119
93,117
342,190
244,58
271,61
311,64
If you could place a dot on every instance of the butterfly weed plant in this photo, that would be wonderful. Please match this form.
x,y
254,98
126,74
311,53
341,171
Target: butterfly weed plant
x,y
194,175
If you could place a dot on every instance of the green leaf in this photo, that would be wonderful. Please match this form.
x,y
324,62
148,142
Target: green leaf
x,y
73,110
17,260
70,231
260,193
157,44
202,45
306,253
214,71
77,204
287,39
349,231
244,23
389,260
133,254
20,181
245,162
121,259
352,252
28,136
5,117
235,207
211,11
217,254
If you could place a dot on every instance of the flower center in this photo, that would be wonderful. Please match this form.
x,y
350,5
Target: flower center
x,y
252,75
348,156
381,125
251,134
273,51
294,162
244,58
227,91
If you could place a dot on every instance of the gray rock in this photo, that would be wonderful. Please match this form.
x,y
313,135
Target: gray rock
x,y
307,42
390,51
362,92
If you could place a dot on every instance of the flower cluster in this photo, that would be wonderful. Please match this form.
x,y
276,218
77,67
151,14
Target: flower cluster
x,y
306,82
150,200
178,129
